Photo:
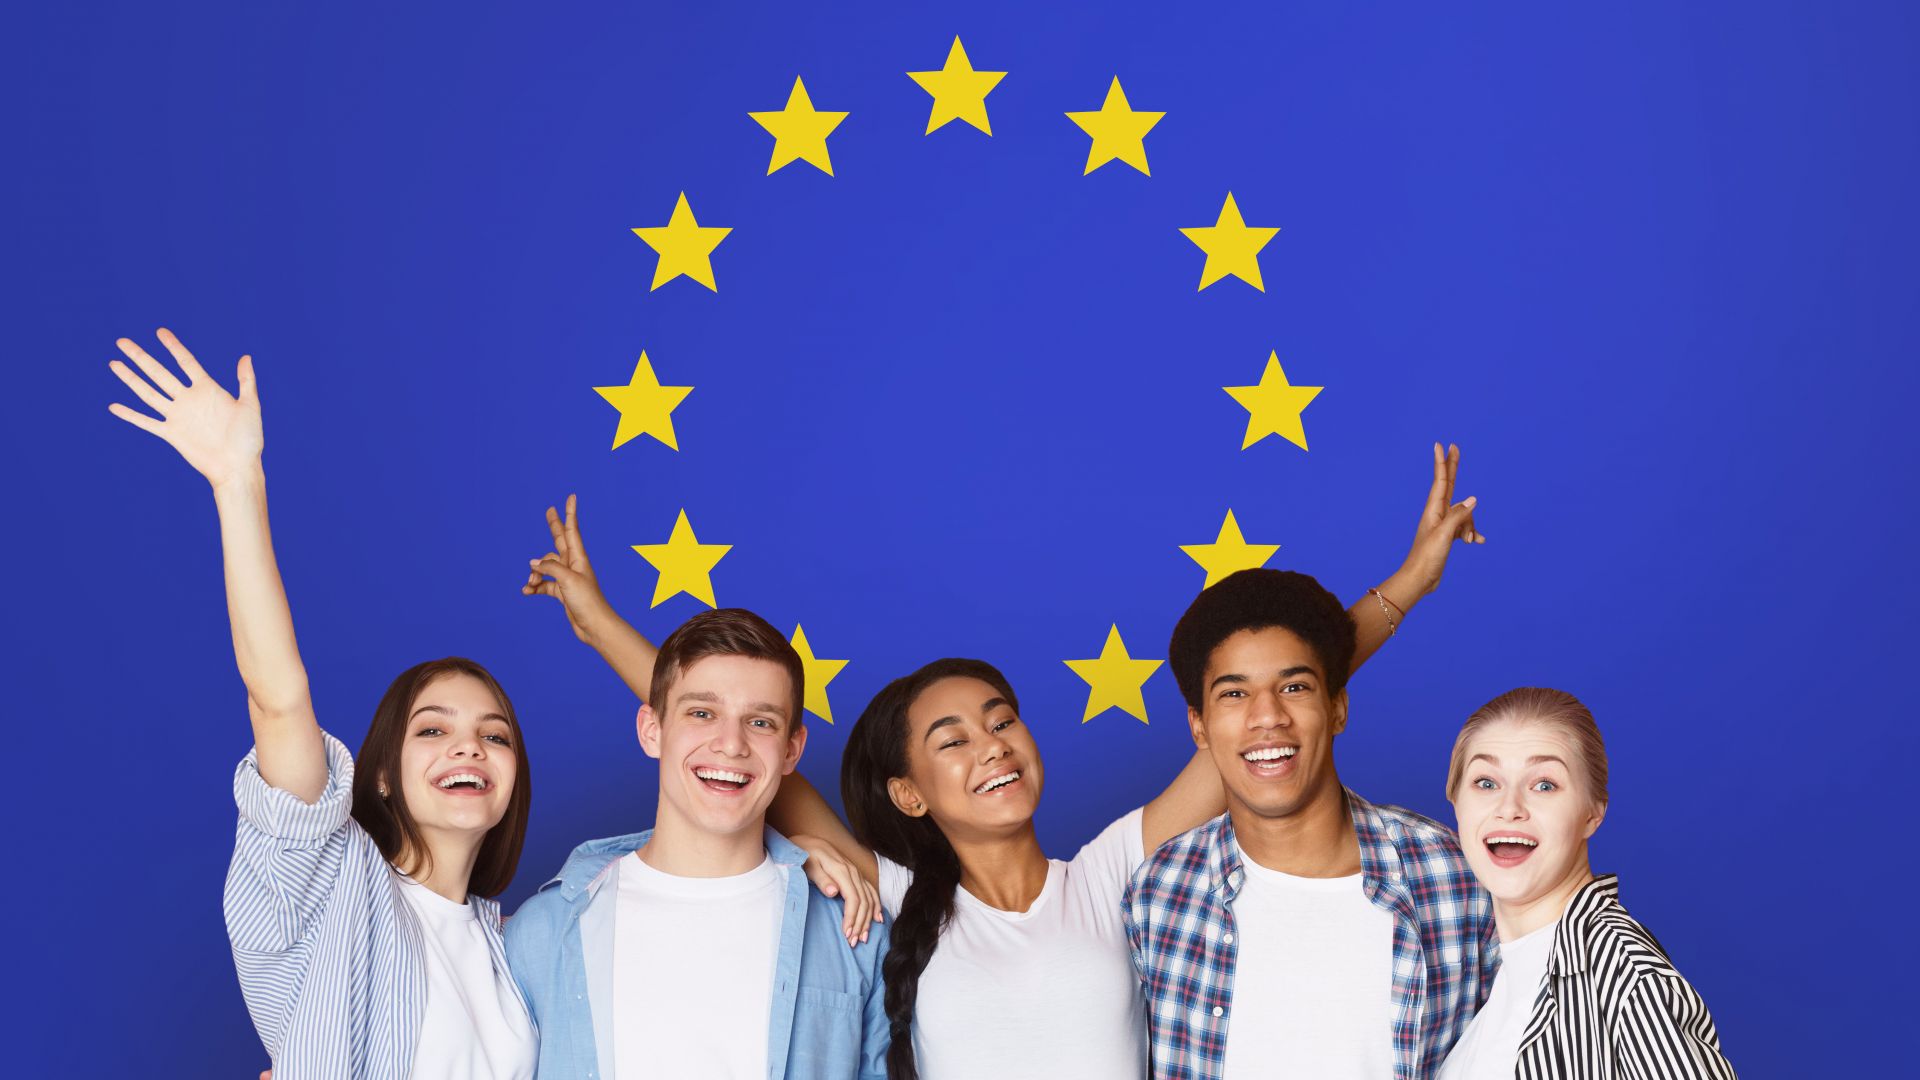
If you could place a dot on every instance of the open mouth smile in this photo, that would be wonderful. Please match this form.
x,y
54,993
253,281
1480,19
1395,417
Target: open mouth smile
x,y
998,783
725,781
1511,849
1270,762
464,783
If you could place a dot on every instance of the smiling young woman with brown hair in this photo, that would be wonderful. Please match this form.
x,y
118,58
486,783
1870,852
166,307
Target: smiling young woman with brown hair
x,y
357,901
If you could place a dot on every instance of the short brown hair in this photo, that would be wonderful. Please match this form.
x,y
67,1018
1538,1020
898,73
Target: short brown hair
x,y
387,819
1538,705
727,632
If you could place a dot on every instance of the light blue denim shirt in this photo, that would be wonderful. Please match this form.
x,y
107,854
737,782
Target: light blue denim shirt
x,y
828,1019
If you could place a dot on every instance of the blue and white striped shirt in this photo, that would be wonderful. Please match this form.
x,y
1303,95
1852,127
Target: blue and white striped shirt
x,y
330,959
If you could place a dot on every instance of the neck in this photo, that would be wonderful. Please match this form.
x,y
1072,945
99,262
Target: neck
x,y
678,848
1517,920
1316,840
1005,872
447,864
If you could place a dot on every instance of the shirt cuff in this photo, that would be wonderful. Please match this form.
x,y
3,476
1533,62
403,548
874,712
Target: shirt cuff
x,y
280,814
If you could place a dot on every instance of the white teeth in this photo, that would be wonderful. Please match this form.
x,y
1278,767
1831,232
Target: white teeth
x,y
462,777
996,782
1521,840
705,773
1271,753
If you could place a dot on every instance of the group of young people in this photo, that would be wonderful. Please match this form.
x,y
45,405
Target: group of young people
x,y
1256,918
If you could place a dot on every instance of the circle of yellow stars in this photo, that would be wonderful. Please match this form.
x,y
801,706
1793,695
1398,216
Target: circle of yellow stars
x,y
1117,133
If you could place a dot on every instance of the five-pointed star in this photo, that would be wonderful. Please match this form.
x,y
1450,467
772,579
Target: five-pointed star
x,y
1232,246
646,407
684,246
959,92
1228,553
1118,132
685,564
1114,680
1274,406
818,674
799,133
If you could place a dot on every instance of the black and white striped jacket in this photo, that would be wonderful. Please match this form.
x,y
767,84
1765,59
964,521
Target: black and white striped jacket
x,y
1612,1007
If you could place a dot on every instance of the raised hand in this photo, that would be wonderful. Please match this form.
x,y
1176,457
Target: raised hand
x,y
567,575
219,434
1442,521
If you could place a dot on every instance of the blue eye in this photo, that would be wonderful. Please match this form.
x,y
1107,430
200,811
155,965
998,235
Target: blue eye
x,y
1483,784
1545,785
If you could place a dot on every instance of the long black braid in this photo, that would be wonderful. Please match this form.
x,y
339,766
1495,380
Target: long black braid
x,y
876,753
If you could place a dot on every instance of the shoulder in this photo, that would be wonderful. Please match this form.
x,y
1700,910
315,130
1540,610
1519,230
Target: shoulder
x,y
1614,941
1410,830
825,915
1176,863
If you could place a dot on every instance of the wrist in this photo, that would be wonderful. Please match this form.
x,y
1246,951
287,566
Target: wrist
x,y
246,483
1408,586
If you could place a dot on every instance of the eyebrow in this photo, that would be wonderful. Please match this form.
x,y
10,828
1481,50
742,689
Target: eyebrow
x,y
444,711
991,704
1534,760
1287,673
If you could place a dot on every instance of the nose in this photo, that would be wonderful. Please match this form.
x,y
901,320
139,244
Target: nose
x,y
1513,804
729,738
992,747
1264,711
468,745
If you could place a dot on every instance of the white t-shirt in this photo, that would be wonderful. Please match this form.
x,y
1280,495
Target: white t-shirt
x,y
1490,1047
1313,981
693,971
1048,992
475,1024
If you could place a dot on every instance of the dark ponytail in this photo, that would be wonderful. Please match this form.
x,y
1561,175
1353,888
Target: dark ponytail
x,y
876,753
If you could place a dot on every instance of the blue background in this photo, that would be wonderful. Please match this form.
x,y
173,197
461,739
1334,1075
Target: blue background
x,y
1651,265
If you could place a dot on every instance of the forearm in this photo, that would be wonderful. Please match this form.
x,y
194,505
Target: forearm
x,y
1374,623
798,809
286,735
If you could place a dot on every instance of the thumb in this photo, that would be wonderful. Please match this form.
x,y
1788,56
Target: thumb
x,y
552,567
249,389
1459,518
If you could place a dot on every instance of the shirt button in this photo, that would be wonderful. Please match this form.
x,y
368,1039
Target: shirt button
x,y
1228,940
1218,1011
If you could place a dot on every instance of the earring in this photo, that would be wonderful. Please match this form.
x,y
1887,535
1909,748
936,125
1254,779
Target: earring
x,y
383,791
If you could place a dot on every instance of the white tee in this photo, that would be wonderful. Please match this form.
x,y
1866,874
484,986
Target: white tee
x,y
475,1024
1490,1047
1048,992
693,971
1313,982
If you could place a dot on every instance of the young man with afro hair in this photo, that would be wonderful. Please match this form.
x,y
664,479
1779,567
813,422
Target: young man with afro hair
x,y
1305,931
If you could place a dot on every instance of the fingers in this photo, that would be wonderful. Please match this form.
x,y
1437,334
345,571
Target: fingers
x,y
153,398
574,543
140,420
151,368
1453,468
552,566
1438,492
181,356
1459,522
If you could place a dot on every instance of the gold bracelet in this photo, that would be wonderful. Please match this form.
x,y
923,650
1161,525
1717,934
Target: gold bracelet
x,y
1386,604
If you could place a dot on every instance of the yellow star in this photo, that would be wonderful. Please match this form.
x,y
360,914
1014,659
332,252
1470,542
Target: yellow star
x,y
1229,552
799,133
959,92
1274,407
818,674
1232,247
684,564
684,246
1118,132
646,407
1114,680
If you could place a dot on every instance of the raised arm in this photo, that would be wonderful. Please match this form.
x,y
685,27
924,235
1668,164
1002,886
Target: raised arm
x,y
799,811
566,574
1195,796
220,436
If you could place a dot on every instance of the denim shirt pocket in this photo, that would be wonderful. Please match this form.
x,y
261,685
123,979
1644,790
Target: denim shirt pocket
x,y
826,1034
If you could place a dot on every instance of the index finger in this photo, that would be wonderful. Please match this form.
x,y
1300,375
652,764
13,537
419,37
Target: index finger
x,y
1437,494
559,534
185,359
573,526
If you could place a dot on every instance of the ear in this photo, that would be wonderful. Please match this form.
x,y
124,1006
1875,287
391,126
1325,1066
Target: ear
x,y
648,726
796,743
906,797
1593,821
1197,725
1337,711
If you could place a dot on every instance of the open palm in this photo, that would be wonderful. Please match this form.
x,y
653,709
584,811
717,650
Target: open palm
x,y
219,434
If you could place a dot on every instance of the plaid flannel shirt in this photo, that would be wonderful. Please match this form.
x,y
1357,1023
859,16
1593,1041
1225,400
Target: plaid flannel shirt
x,y
1179,919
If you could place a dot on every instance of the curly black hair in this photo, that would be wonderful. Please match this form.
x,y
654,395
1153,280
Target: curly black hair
x,y
1256,600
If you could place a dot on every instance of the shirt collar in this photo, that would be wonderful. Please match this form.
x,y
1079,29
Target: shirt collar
x,y
1379,859
1578,923
590,861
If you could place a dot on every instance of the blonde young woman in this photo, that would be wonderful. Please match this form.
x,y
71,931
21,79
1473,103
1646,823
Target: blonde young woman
x,y
1584,991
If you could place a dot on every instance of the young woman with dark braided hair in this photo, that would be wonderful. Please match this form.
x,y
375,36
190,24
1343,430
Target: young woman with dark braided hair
x,y
1003,959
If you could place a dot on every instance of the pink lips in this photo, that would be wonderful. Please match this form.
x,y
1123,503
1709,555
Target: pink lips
x,y
1510,855
465,792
